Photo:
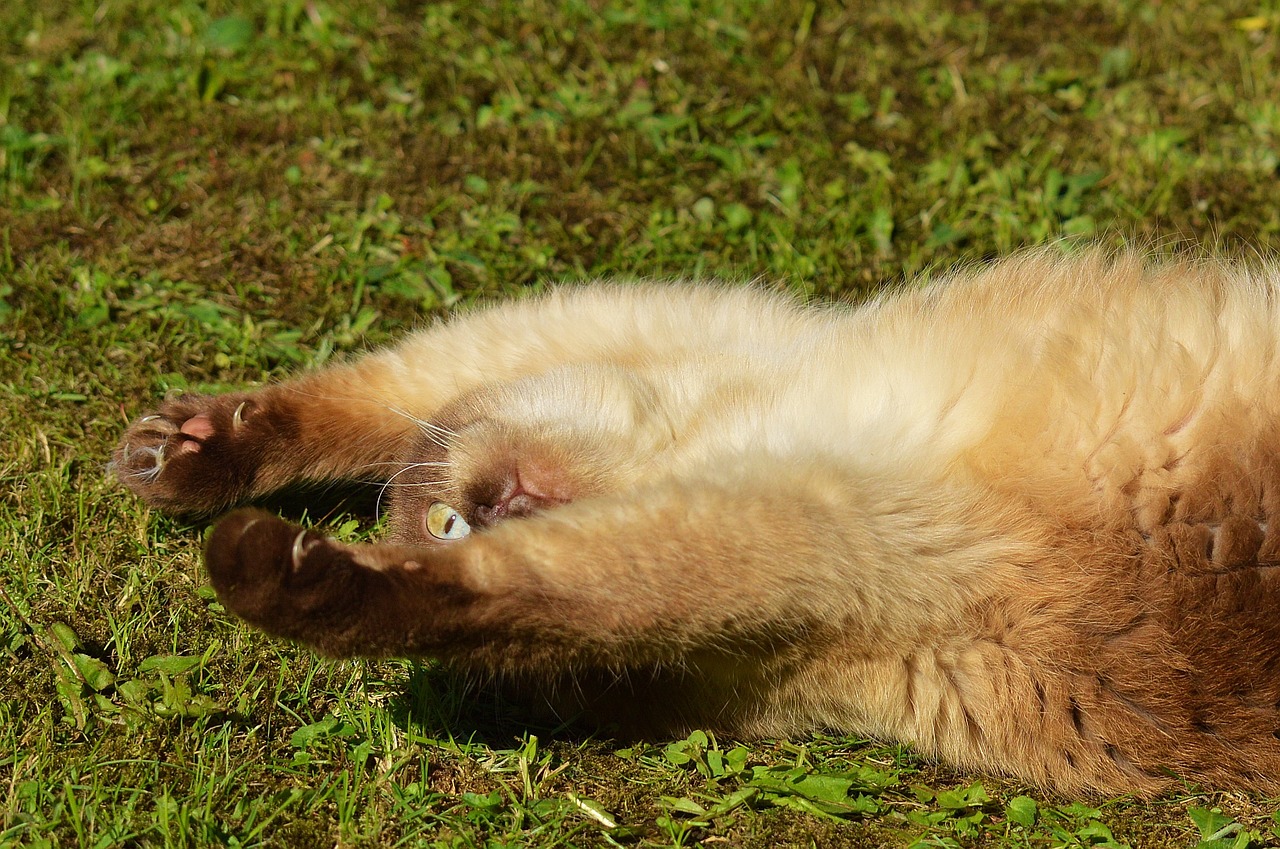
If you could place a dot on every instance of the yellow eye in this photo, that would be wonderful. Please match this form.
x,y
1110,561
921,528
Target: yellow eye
x,y
443,522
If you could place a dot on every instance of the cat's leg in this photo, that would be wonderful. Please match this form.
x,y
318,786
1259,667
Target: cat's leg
x,y
759,559
785,598
200,453
948,623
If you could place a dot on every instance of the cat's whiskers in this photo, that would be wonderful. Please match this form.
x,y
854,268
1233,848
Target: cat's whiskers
x,y
428,483
432,427
402,466
439,435
434,431
377,508
435,438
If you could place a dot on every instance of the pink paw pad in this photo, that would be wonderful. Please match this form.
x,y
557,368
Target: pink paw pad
x,y
196,428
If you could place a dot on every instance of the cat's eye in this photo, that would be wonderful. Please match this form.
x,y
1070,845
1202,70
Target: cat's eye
x,y
444,522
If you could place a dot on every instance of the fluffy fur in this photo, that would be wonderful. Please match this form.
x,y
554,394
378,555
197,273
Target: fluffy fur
x,y
1020,518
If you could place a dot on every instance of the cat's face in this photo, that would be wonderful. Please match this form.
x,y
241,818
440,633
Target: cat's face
x,y
516,449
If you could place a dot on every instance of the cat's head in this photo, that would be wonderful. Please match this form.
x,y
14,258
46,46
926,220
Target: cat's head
x,y
516,449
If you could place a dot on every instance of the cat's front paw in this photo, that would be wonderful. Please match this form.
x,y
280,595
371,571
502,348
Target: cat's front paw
x,y
196,453
289,581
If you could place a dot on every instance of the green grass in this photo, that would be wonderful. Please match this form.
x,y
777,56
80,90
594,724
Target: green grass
x,y
203,195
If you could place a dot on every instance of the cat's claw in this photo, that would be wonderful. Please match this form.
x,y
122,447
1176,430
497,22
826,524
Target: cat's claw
x,y
299,550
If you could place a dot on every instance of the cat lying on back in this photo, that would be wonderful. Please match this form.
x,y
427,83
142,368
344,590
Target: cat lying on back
x,y
1018,519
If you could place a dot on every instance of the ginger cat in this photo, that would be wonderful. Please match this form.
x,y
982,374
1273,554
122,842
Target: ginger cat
x,y
1019,518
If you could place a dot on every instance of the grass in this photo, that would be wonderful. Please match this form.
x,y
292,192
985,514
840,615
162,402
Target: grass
x,y
208,194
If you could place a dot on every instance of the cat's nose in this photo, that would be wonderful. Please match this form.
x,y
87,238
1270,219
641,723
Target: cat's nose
x,y
519,489
524,503
487,515
514,505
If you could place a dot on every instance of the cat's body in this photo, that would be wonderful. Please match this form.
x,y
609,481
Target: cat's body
x,y
1019,519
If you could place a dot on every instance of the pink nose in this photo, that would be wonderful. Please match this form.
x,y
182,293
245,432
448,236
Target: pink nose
x,y
518,503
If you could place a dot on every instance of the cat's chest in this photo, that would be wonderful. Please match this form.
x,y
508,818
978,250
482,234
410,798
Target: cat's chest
x,y
908,418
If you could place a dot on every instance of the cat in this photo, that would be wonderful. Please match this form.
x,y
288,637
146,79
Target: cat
x,y
1019,518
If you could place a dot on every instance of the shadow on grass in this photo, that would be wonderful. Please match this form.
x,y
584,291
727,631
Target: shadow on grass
x,y
323,502
318,504
441,703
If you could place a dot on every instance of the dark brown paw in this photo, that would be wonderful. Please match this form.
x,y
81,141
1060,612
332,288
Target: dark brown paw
x,y
285,580
197,453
